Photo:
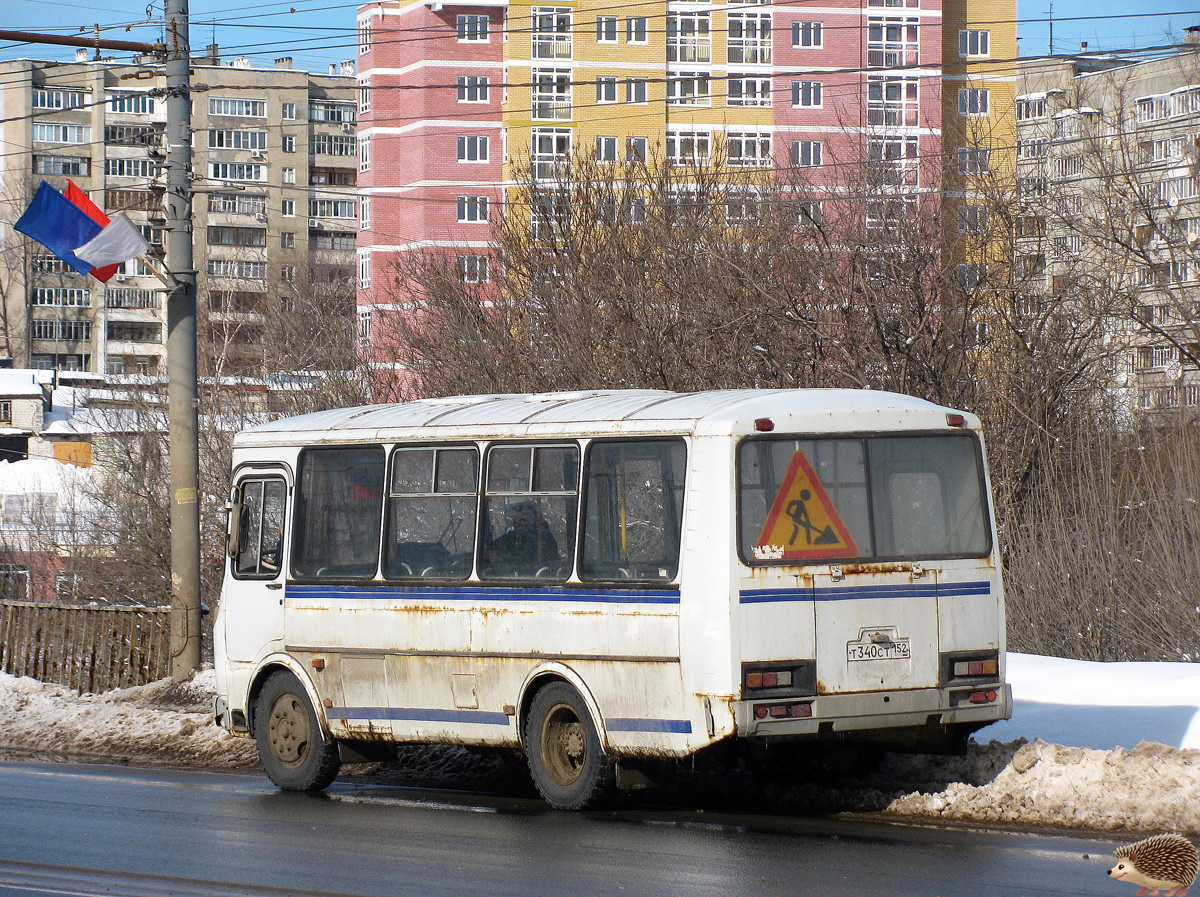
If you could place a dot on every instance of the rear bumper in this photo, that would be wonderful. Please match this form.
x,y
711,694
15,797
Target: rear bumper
x,y
878,710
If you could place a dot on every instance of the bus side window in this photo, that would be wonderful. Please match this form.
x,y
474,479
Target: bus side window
x,y
431,513
530,508
633,510
339,512
260,528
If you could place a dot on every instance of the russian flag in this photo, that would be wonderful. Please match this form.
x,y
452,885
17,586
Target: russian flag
x,y
73,223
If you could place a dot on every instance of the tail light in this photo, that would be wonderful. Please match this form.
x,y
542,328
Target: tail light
x,y
780,678
783,711
964,667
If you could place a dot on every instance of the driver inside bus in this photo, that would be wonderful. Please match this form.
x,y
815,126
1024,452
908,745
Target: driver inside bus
x,y
528,545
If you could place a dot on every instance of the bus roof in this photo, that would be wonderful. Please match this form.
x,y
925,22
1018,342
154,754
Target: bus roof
x,y
644,411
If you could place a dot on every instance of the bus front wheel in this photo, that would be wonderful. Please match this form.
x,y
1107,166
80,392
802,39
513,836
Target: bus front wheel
x,y
291,746
567,763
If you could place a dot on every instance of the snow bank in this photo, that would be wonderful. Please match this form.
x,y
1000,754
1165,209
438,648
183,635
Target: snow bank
x,y
1150,788
164,722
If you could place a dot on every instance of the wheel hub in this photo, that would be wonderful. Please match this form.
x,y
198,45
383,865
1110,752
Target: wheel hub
x,y
288,730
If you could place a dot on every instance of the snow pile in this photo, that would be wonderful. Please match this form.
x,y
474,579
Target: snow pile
x,y
1150,788
164,722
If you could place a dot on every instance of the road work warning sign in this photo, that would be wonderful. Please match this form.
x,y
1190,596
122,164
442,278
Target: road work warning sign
x,y
803,523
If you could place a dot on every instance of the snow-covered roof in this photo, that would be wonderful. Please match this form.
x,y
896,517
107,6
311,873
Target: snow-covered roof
x,y
15,383
645,411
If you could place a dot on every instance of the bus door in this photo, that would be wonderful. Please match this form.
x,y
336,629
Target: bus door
x,y
877,628
256,562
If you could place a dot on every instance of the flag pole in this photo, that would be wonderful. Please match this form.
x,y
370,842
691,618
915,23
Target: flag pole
x,y
182,397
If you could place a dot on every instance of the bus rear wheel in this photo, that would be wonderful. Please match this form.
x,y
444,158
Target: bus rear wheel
x,y
292,748
566,760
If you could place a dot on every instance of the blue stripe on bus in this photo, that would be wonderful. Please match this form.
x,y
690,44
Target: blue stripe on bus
x,y
488,718
420,714
476,593
852,593
672,726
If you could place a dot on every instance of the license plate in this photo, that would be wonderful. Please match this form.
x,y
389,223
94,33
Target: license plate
x,y
878,644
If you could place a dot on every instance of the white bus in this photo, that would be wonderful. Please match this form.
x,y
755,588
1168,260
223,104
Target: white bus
x,y
605,579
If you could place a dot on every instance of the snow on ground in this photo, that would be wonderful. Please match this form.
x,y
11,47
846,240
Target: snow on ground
x,y
1096,746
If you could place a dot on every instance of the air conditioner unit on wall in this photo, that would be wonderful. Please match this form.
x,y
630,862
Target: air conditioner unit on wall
x,y
348,127
314,222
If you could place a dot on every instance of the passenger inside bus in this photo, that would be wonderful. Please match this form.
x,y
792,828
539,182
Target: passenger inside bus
x,y
527,548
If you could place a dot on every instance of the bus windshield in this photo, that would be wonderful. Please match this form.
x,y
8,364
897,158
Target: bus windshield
x,y
870,498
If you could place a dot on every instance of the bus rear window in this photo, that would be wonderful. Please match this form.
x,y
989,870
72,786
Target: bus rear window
x,y
831,500
339,508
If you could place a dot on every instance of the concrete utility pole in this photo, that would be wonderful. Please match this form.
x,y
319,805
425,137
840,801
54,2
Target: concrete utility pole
x,y
182,397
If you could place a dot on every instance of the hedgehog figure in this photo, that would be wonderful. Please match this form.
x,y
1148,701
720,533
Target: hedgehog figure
x,y
1164,862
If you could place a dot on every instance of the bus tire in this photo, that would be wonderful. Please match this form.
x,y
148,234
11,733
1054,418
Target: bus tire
x,y
292,747
563,750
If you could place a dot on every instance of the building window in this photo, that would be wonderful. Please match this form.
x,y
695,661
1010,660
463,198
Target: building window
x,y
52,133
237,139
472,89
685,147
689,37
364,97
893,102
748,148
972,43
806,93
288,143
237,108
364,36
289,208
972,101
62,330
473,209
807,34
893,42
288,175
552,99
746,90
973,160
6,411
606,90
635,90
635,30
287,273
689,89
287,240
472,148
749,40
333,208
71,165
635,149
287,111
472,28
333,112
972,219
221,235
1031,107
66,297
806,153
606,29
135,103
972,277
473,268
606,149
231,171
364,154
47,98
364,278
364,213
333,145
550,36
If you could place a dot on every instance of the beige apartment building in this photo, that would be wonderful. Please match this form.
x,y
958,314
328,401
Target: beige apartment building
x,y
1108,152
275,208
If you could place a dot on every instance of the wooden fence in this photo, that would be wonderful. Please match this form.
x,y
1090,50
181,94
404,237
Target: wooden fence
x,y
92,649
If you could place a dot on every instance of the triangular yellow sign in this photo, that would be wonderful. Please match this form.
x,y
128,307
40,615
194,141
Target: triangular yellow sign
x,y
802,523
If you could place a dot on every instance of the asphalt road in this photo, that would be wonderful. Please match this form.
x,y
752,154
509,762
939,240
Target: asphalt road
x,y
121,832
